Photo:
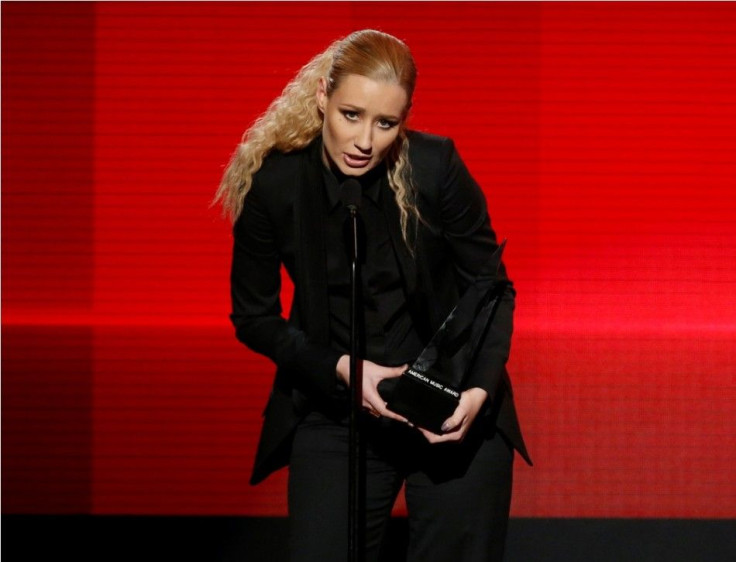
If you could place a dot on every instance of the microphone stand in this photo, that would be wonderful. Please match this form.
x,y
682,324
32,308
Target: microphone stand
x,y
355,503
350,195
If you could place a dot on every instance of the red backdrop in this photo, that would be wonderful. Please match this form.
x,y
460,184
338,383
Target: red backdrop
x,y
604,136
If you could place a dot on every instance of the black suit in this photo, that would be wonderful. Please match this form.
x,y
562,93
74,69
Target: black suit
x,y
282,224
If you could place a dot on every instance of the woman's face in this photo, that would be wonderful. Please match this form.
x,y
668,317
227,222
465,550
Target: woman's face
x,y
362,118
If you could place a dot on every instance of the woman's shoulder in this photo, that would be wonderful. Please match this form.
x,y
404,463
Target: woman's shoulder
x,y
427,140
429,149
422,141
429,153
278,167
275,182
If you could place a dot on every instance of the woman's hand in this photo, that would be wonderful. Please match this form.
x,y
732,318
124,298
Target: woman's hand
x,y
372,375
457,425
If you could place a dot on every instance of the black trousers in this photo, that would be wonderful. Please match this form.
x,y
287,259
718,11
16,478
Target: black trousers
x,y
457,494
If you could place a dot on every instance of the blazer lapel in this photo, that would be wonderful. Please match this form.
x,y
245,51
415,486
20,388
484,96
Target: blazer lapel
x,y
406,261
311,254
412,267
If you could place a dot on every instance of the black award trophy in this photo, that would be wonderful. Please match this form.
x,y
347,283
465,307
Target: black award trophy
x,y
428,392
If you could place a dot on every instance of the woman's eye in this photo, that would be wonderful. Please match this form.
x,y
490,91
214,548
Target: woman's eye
x,y
350,115
386,124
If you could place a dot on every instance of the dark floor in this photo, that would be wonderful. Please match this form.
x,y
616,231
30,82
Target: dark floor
x,y
245,539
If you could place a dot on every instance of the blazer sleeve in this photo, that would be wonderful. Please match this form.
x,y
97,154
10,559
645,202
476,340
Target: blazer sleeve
x,y
255,282
471,240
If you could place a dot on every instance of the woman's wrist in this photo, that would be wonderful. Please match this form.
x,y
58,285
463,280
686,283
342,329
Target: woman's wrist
x,y
342,369
477,396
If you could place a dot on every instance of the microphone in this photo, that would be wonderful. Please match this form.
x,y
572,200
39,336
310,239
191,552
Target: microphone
x,y
350,193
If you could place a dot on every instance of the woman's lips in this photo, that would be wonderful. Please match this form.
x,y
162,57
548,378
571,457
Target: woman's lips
x,y
355,161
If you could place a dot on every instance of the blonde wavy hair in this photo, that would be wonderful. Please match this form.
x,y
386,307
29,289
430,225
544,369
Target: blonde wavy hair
x,y
293,120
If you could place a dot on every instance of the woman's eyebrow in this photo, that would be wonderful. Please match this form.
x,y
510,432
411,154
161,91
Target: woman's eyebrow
x,y
358,109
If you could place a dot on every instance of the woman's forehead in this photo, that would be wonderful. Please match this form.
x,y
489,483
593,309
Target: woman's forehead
x,y
367,93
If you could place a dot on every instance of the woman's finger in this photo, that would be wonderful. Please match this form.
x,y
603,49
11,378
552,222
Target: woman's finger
x,y
454,421
455,436
385,412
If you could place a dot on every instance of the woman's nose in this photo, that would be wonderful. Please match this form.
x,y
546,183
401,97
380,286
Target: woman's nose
x,y
364,139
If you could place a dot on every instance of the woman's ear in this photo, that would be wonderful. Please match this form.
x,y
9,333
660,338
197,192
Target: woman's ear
x,y
322,94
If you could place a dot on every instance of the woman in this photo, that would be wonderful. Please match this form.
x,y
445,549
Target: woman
x,y
426,235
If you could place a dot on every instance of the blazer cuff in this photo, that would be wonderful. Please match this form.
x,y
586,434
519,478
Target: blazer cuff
x,y
315,370
486,374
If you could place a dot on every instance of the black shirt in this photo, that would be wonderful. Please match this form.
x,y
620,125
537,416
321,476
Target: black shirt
x,y
389,337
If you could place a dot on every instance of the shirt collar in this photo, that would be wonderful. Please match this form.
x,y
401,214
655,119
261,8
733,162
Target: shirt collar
x,y
370,182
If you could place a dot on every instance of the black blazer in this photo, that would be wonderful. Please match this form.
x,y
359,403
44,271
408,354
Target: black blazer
x,y
281,223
